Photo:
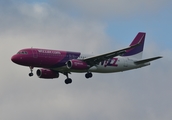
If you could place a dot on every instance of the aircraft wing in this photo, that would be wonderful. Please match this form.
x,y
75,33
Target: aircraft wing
x,y
99,58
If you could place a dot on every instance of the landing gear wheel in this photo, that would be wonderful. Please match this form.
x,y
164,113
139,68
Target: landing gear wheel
x,y
30,74
31,69
88,75
68,81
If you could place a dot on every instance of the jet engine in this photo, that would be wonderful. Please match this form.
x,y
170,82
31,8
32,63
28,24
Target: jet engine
x,y
77,65
47,74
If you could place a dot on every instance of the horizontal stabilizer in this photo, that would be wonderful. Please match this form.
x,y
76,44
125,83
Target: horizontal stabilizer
x,y
147,60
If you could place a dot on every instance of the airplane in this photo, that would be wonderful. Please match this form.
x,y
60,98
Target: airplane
x,y
53,62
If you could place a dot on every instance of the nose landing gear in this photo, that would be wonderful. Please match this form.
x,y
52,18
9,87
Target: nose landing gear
x,y
31,69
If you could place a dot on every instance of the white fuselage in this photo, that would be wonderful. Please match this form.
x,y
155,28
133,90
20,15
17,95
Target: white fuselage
x,y
116,64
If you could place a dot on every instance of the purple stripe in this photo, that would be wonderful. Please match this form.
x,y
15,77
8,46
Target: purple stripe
x,y
139,38
67,56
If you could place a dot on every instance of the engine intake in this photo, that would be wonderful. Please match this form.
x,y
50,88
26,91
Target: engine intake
x,y
47,74
77,65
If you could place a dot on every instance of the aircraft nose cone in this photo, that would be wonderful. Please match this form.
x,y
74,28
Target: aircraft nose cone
x,y
18,60
13,58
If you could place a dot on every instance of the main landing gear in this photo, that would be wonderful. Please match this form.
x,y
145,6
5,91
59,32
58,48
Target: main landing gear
x,y
68,80
88,75
31,69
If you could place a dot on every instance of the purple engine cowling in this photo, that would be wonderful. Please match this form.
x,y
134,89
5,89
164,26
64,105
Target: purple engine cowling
x,y
47,74
77,65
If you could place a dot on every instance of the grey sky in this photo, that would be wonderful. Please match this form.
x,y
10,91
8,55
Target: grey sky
x,y
138,94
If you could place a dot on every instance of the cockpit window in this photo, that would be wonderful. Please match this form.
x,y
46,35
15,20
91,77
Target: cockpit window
x,y
22,52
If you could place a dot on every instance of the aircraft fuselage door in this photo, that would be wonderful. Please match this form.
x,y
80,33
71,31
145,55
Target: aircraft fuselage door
x,y
125,62
35,53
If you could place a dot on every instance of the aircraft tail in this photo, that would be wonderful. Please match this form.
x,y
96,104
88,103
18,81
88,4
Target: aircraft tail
x,y
137,51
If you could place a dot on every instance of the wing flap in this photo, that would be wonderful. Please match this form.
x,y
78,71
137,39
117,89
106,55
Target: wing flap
x,y
147,60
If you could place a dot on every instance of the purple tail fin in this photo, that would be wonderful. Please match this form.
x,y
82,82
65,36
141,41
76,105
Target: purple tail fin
x,y
137,51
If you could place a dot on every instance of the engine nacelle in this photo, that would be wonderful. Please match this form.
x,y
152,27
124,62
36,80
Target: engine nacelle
x,y
77,65
47,74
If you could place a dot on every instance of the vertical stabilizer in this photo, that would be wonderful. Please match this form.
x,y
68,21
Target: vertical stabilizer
x,y
138,50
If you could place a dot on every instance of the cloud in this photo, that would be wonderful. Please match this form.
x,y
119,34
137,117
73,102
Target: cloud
x,y
35,25
137,94
39,23
110,8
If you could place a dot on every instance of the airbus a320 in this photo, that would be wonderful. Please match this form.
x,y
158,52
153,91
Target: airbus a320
x,y
53,62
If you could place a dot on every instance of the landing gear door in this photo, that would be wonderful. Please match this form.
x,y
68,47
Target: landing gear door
x,y
35,53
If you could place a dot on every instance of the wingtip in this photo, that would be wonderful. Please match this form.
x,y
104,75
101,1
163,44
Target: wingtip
x,y
160,56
